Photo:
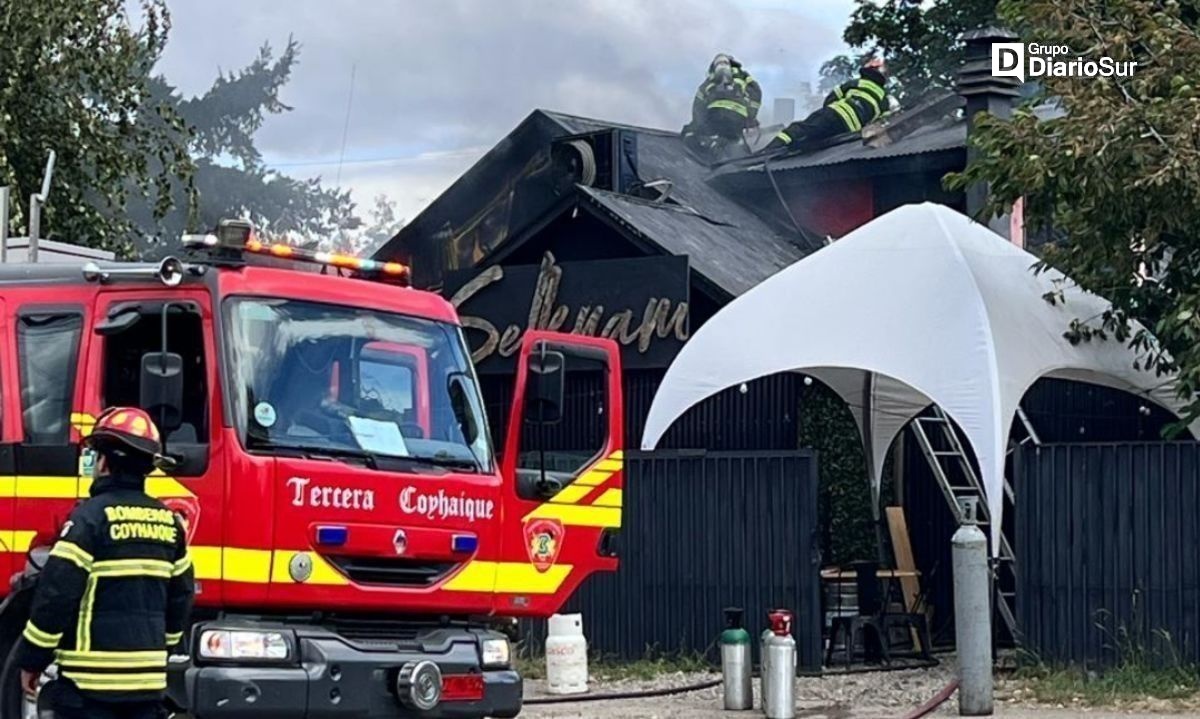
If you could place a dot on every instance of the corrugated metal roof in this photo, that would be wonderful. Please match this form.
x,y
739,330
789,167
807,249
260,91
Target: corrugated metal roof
x,y
731,253
947,134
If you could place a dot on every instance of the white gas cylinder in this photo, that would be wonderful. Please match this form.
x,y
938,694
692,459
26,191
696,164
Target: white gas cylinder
x,y
566,655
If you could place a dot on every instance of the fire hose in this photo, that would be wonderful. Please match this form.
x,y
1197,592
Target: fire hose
x,y
934,702
708,684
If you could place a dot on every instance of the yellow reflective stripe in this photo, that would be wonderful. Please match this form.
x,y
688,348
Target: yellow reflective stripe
x,y
118,682
180,567
120,660
322,571
594,476
174,638
872,87
72,553
83,632
784,136
610,498
133,568
16,540
572,493
576,515
869,98
730,105
612,464
40,638
838,91
46,487
847,114
507,577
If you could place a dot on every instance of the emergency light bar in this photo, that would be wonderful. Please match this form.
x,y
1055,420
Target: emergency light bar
x,y
238,236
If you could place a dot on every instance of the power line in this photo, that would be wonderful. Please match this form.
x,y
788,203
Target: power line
x,y
346,126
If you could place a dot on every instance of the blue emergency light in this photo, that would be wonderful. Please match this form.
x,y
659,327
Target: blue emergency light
x,y
464,543
332,536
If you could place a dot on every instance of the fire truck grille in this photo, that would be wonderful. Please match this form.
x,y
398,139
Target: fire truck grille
x,y
392,571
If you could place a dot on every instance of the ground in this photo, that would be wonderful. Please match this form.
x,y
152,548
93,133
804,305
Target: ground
x,y
874,695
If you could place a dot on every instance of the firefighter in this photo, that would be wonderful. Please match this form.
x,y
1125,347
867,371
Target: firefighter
x,y
726,104
116,589
850,107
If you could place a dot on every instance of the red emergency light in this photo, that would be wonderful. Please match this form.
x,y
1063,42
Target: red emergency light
x,y
238,236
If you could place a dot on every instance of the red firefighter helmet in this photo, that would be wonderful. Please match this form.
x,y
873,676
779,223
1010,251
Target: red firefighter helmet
x,y
125,428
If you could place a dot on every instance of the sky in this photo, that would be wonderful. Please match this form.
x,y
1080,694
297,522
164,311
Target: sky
x,y
439,82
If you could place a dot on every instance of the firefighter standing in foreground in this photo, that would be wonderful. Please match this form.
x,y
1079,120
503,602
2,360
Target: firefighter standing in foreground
x,y
849,108
116,589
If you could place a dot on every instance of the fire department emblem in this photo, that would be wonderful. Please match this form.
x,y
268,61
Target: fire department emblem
x,y
188,511
543,540
400,541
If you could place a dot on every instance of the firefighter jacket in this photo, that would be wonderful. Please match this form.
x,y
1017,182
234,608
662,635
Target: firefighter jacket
x,y
740,99
113,596
861,101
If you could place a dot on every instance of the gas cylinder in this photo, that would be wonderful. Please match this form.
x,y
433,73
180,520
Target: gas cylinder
x,y
735,662
566,655
779,695
764,671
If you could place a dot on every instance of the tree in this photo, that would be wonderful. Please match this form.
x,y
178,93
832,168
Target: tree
x,y
384,223
74,77
1117,177
230,177
918,39
836,70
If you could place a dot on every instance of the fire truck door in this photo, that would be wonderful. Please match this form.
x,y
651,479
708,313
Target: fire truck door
x,y
563,460
157,351
48,343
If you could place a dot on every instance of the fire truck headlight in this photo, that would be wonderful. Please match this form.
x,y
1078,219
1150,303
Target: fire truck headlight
x,y
495,653
246,645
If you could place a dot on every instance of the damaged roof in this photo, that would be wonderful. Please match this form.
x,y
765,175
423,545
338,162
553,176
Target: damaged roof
x,y
733,257
728,244
945,134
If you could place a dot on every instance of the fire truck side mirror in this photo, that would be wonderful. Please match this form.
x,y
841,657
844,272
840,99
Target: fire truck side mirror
x,y
544,396
162,388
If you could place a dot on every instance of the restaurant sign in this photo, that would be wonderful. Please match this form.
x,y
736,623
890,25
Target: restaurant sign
x,y
641,303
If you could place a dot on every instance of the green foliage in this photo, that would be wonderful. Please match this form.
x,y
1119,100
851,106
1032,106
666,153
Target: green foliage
x,y
230,177
1117,178
918,39
838,69
826,425
74,77
1144,670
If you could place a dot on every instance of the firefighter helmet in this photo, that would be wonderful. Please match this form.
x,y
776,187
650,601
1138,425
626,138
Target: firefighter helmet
x,y
125,428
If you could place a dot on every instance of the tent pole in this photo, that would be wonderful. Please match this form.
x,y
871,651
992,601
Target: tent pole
x,y
868,405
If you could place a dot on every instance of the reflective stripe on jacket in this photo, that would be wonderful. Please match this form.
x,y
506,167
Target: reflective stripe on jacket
x,y
113,596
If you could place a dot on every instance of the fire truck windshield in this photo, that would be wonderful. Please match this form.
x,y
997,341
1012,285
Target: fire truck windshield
x,y
338,381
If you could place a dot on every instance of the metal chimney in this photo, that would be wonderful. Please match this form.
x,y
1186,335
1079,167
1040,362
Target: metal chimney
x,y
984,93
784,110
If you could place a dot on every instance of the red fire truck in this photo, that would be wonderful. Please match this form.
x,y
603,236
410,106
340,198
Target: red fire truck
x,y
360,549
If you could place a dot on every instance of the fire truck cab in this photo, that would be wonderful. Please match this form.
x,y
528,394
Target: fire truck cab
x,y
361,548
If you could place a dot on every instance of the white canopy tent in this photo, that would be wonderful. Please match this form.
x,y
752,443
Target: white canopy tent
x,y
919,306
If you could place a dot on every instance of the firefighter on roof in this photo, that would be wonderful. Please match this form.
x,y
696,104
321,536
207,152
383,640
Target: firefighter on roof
x,y
849,108
116,589
726,104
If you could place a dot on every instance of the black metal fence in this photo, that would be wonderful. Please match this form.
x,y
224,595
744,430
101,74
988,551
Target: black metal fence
x,y
701,532
1107,551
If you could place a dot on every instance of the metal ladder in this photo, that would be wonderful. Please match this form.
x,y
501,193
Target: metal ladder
x,y
956,477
